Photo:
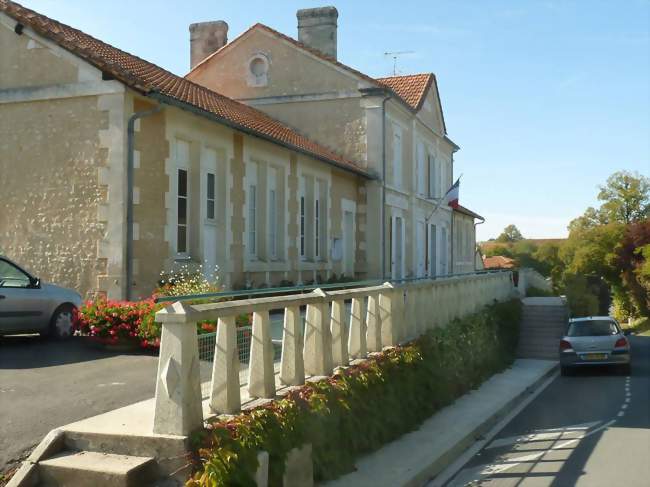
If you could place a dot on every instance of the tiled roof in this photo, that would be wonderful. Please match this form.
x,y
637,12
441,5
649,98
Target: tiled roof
x,y
412,88
409,96
498,262
153,80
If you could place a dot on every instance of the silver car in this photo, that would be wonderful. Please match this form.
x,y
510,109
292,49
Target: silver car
x,y
28,305
594,340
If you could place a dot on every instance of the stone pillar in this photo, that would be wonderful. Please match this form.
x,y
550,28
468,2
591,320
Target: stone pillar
x,y
292,369
318,339
178,385
261,375
339,330
373,323
224,388
389,315
357,346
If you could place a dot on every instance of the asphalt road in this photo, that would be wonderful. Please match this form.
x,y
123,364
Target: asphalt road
x,y
46,384
591,429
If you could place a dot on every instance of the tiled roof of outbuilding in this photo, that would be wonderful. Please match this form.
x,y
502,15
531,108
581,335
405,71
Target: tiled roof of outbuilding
x,y
151,79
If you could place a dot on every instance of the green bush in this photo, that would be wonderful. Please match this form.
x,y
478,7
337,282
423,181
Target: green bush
x,y
362,407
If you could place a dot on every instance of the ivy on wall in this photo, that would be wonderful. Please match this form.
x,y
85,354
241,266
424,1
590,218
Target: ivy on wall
x,y
363,406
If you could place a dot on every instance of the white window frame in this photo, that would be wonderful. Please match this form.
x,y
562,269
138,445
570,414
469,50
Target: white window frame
x,y
421,170
432,188
210,200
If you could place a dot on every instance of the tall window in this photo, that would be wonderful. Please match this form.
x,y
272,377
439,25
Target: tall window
x,y
181,211
397,156
210,196
317,227
433,255
443,252
421,182
273,214
252,219
302,227
432,176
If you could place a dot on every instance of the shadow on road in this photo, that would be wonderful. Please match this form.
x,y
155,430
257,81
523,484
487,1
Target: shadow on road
x,y
34,351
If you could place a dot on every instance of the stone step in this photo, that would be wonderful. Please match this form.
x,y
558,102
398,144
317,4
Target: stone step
x,y
94,469
170,452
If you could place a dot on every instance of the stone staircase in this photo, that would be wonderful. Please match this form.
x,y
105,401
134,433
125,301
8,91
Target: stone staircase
x,y
543,323
81,458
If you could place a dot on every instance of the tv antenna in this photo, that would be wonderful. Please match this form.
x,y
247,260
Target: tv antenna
x,y
395,55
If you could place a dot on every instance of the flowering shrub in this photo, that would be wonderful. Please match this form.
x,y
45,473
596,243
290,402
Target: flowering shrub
x,y
112,321
184,282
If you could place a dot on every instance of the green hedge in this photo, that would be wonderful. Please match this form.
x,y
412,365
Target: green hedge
x,y
363,407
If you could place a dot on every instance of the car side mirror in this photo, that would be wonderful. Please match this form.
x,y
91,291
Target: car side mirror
x,y
34,282
627,332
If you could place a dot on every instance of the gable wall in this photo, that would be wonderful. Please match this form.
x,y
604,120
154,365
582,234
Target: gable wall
x,y
60,164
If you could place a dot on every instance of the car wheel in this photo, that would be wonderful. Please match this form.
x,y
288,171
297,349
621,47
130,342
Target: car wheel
x,y
61,324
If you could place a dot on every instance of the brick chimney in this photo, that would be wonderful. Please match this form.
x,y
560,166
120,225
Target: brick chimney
x,y
317,28
206,38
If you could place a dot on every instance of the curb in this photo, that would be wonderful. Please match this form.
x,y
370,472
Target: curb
x,y
27,474
439,464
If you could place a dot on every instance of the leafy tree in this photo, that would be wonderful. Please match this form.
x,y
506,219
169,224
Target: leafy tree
x,y
633,260
625,197
510,234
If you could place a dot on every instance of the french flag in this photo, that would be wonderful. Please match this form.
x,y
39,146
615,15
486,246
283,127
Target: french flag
x,y
451,196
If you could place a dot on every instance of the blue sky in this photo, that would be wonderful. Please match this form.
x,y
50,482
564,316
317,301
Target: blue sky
x,y
545,98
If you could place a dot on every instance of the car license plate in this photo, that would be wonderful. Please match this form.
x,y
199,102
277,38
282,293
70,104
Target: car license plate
x,y
594,356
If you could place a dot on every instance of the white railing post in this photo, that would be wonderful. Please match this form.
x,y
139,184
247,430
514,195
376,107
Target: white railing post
x,y
178,408
292,369
224,387
389,315
261,373
357,346
373,322
318,338
339,330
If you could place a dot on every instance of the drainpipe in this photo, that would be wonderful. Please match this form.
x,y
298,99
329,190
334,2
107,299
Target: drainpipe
x,y
129,194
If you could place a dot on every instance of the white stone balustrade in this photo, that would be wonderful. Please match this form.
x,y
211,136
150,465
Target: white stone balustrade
x,y
380,316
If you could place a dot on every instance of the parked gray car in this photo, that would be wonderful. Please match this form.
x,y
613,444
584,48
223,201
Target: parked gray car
x,y
594,340
28,305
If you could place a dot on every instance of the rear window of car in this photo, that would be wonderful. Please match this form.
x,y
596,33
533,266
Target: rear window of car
x,y
592,328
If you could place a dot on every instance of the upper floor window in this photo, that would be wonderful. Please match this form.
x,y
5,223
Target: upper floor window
x,y
397,156
182,196
422,169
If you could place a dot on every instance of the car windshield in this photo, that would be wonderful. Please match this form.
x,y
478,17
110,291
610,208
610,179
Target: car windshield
x,y
590,328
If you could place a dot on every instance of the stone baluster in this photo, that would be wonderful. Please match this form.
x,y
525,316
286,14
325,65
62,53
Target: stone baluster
x,y
178,408
224,387
318,338
373,322
389,308
292,367
339,330
357,346
261,374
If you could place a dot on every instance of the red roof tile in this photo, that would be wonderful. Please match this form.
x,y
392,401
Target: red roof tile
x,y
412,88
155,81
499,262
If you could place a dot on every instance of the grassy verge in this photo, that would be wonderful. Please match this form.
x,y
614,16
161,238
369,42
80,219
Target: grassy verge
x,y
363,406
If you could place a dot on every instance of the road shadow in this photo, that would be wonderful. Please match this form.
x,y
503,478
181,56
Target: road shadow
x,y
34,351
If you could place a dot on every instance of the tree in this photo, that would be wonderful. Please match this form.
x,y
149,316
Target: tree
x,y
625,197
633,261
510,234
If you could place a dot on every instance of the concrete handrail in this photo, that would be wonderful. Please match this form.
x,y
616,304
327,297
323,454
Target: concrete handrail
x,y
381,316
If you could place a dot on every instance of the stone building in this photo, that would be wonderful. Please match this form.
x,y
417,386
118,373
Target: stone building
x,y
113,169
394,127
